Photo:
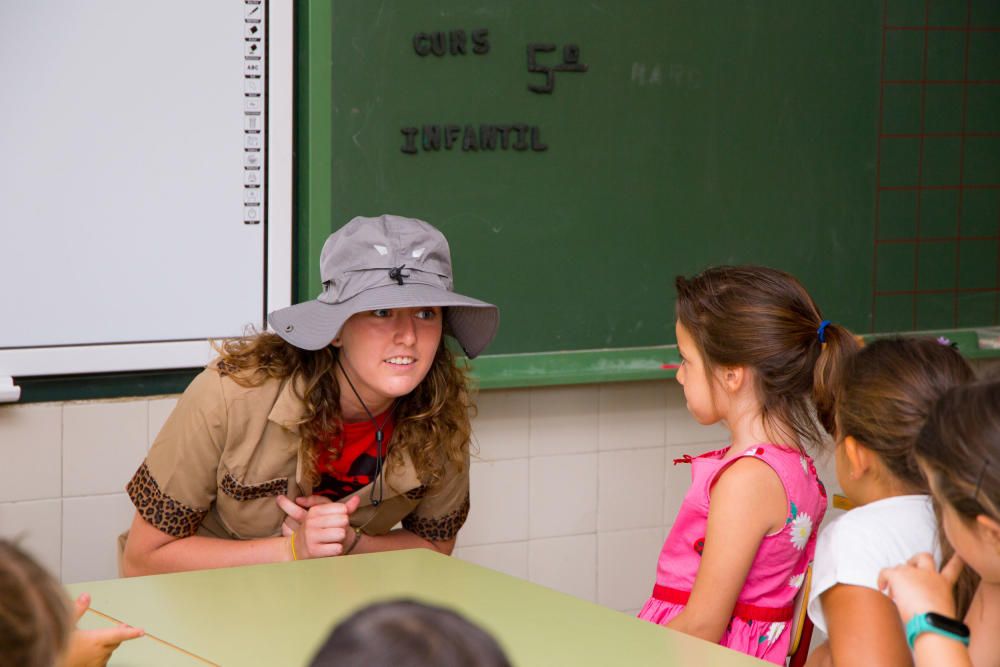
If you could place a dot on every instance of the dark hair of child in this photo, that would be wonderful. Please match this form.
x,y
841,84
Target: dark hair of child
x,y
407,633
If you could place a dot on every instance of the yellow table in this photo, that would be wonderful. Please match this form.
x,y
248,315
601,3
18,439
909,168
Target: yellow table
x,y
279,614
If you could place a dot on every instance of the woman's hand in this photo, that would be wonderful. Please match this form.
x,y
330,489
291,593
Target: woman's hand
x,y
917,587
93,648
321,527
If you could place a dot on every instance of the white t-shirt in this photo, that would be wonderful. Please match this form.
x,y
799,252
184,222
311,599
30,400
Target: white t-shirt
x,y
853,548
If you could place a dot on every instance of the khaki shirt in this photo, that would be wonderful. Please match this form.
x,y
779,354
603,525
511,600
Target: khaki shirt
x,y
227,451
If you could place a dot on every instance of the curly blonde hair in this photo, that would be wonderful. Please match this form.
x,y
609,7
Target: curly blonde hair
x,y
432,422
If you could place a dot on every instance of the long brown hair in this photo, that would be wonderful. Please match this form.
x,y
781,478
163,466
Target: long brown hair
x,y
432,421
764,319
960,446
35,614
885,394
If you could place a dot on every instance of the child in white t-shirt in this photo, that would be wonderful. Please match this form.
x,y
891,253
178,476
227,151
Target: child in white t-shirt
x,y
882,400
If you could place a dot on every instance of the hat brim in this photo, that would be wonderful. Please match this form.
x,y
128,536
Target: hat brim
x,y
313,324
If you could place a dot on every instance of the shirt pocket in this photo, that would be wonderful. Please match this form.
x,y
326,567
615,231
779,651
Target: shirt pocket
x,y
249,508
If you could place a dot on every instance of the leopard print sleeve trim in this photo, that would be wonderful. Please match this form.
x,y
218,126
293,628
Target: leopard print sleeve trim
x,y
161,511
239,491
417,493
438,529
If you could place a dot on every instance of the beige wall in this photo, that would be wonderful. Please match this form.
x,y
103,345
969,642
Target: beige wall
x,y
572,487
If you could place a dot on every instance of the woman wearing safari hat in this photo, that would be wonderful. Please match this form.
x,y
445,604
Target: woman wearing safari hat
x,y
317,439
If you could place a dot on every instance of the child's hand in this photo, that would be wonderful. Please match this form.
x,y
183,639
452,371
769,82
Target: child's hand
x,y
917,587
93,648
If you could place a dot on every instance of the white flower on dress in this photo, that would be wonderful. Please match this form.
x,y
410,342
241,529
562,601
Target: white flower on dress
x,y
774,632
795,581
801,529
805,464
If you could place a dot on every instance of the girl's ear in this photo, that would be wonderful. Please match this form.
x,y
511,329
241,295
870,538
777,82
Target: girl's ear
x,y
990,530
733,378
336,342
858,457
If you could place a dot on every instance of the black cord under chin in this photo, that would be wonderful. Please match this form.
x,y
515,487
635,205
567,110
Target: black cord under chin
x,y
378,484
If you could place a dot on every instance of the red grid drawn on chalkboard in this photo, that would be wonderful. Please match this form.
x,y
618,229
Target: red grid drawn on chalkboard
x,y
920,188
941,28
947,290
945,262
940,82
939,239
940,135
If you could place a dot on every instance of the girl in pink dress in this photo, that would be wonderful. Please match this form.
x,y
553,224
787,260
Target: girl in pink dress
x,y
757,356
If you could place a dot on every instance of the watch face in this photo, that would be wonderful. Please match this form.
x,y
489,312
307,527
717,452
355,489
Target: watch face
x,y
948,624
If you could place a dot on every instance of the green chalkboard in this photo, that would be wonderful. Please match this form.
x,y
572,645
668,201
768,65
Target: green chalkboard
x,y
854,144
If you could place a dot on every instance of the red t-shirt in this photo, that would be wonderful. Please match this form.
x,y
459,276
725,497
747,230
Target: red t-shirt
x,y
354,468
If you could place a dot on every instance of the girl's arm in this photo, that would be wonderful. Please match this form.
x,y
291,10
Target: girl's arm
x,y
917,587
864,627
983,620
747,502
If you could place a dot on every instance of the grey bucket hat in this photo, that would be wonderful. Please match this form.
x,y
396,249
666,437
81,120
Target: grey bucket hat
x,y
385,262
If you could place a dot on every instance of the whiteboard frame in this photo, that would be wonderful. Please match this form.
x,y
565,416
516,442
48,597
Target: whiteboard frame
x,y
86,359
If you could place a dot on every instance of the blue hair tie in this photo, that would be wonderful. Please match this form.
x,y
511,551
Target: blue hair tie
x,y
822,330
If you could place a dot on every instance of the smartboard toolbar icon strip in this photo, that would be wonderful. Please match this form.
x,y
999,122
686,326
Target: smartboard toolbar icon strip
x,y
253,107
251,215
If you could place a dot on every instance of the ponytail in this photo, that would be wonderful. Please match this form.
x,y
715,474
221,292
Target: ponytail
x,y
838,346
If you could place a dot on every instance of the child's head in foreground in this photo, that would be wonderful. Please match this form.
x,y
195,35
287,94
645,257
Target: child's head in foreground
x,y
35,614
406,633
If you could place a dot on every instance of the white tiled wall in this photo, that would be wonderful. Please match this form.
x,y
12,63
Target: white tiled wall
x,y
591,467
63,469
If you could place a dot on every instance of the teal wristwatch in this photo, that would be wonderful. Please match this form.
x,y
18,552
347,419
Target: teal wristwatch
x,y
936,623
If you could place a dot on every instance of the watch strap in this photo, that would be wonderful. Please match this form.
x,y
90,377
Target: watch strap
x,y
921,623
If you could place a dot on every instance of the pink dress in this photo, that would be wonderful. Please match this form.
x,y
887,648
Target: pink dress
x,y
760,624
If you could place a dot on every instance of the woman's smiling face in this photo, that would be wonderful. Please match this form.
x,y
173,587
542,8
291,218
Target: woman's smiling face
x,y
386,353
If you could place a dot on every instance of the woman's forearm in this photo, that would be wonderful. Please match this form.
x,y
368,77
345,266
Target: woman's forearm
x,y
400,539
202,553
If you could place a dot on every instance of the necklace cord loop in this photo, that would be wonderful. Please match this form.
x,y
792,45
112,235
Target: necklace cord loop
x,y
378,484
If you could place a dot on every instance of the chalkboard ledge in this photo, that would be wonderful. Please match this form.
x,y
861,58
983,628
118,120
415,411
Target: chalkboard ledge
x,y
499,371
502,371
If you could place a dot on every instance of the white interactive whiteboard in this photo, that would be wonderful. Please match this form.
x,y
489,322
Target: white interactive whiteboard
x,y
145,179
